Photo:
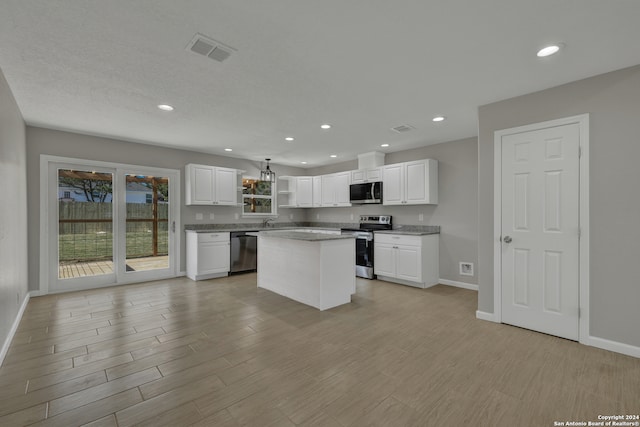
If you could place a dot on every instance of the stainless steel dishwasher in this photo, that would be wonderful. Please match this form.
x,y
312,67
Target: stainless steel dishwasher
x,y
244,251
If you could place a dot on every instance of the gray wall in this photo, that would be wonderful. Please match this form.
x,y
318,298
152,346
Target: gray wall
x,y
65,144
456,211
613,101
13,210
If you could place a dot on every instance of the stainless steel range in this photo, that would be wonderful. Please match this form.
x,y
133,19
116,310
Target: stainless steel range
x,y
364,241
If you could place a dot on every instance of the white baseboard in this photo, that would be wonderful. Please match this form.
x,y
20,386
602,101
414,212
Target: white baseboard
x,y
483,315
14,328
181,274
458,284
615,346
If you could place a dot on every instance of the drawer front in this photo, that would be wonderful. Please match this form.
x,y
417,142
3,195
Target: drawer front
x,y
398,239
213,237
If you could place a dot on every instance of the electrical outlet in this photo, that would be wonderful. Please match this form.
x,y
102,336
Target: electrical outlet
x,y
237,216
199,217
466,269
317,216
291,216
351,217
421,217
212,216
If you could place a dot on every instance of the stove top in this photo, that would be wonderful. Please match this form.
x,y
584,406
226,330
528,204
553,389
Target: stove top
x,y
371,223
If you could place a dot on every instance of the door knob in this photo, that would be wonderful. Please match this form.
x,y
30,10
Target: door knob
x,y
507,239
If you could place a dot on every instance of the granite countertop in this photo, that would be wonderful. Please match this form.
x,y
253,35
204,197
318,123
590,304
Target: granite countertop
x,y
263,229
304,235
406,233
412,230
407,230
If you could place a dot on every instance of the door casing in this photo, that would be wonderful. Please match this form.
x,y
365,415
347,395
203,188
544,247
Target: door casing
x,y
45,231
583,273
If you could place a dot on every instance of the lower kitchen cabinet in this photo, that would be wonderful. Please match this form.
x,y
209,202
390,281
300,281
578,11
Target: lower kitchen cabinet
x,y
407,259
208,255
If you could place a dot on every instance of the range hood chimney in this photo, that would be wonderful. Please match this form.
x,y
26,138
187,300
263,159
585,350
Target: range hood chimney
x,y
370,160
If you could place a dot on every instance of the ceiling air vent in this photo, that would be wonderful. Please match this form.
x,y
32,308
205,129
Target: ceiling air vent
x,y
402,128
210,48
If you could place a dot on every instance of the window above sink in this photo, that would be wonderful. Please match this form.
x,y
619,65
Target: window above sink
x,y
258,197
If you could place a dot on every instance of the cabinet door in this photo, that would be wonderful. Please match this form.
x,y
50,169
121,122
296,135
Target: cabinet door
x,y
393,187
373,175
358,177
304,191
213,257
317,191
328,190
409,263
200,188
416,177
226,186
342,181
384,259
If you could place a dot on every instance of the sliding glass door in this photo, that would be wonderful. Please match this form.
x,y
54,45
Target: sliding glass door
x,y
110,225
148,225
84,225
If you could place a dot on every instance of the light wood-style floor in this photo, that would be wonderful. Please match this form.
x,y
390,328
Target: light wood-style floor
x,y
224,353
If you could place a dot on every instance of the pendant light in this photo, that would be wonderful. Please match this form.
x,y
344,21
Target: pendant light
x,y
267,174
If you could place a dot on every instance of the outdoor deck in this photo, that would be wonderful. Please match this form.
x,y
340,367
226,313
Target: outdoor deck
x,y
95,268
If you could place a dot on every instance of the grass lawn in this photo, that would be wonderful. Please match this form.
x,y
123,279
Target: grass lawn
x,y
99,245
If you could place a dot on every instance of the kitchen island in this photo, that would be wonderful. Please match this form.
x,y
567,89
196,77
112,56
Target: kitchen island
x,y
314,268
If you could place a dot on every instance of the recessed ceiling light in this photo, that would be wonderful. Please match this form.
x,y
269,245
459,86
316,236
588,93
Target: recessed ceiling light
x,y
548,50
384,145
228,149
438,118
165,107
289,138
325,126
333,156
304,163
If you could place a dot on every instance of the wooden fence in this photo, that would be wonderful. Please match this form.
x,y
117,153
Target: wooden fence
x,y
85,230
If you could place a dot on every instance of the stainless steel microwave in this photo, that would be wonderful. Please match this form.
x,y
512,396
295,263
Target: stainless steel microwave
x,y
370,192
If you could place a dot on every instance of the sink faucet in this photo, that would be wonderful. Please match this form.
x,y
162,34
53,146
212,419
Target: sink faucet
x,y
265,222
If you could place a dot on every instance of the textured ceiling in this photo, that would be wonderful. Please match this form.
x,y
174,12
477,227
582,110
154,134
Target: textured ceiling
x,y
101,67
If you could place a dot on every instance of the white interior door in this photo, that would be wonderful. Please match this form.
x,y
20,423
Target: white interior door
x,y
540,230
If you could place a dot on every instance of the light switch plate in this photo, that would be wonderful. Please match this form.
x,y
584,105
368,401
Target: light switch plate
x,y
421,217
212,216
199,217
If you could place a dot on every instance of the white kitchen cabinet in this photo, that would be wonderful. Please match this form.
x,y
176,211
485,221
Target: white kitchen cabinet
x,y
335,189
366,175
208,255
317,191
211,185
296,192
407,259
411,183
226,187
304,191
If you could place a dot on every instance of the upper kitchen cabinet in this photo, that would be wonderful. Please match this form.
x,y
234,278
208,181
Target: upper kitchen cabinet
x,y
296,191
411,183
211,185
335,189
317,191
366,175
